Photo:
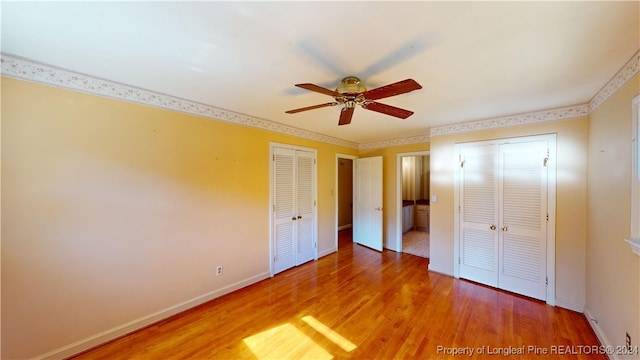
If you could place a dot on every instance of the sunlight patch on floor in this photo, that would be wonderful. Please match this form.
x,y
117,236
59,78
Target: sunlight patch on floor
x,y
345,344
288,342
285,342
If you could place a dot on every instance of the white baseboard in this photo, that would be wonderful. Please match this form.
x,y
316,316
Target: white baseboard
x,y
124,329
569,305
599,333
327,252
440,271
344,227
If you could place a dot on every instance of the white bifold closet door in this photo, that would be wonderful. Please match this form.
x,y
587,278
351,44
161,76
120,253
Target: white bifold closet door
x,y
294,228
504,216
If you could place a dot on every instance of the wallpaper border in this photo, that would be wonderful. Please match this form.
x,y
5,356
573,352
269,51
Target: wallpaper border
x,y
25,69
626,73
567,112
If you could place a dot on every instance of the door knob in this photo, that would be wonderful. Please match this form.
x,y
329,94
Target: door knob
x,y
293,218
504,228
492,227
299,217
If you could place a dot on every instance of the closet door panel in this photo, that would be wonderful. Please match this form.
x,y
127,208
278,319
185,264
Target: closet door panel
x,y
304,204
284,254
523,214
478,210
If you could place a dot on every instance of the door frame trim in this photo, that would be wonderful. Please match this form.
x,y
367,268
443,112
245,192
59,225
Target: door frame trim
x,y
337,197
271,208
551,204
399,222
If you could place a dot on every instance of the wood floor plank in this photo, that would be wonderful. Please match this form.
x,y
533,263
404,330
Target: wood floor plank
x,y
386,304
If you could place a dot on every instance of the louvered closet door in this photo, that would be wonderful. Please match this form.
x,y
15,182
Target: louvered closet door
x,y
504,206
304,224
479,215
284,253
294,220
523,214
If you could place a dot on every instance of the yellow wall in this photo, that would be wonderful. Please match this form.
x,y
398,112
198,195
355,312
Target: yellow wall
x,y
571,192
114,211
613,275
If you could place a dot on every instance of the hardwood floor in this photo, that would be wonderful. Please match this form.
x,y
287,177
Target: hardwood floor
x,y
361,304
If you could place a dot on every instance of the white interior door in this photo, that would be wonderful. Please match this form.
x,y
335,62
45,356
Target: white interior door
x,y
294,208
367,193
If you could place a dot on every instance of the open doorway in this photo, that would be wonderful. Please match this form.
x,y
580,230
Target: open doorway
x,y
344,200
414,194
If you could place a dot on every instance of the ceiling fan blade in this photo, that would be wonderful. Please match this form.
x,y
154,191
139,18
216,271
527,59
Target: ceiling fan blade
x,y
319,89
397,88
388,109
311,107
345,116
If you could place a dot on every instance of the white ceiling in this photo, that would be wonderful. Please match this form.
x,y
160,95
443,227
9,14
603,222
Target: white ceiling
x,y
475,60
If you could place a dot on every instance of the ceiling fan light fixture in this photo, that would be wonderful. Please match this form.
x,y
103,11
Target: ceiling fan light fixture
x,y
351,93
351,85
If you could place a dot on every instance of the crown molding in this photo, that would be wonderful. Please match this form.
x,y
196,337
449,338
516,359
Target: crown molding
x,y
395,142
626,73
24,69
563,113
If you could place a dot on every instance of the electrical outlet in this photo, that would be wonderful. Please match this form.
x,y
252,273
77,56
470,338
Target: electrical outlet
x,y
628,341
219,270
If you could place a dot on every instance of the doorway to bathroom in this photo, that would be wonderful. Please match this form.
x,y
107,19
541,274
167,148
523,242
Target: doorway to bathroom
x,y
413,194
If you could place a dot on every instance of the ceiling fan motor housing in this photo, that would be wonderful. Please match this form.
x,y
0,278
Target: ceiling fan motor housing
x,y
351,86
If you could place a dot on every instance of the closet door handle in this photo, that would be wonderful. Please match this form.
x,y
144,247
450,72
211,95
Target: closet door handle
x,y
504,228
293,218
492,227
299,217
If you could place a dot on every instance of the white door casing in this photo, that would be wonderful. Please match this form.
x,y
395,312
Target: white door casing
x,y
367,193
400,209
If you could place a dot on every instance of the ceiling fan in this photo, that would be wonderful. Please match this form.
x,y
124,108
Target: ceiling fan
x,y
352,93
